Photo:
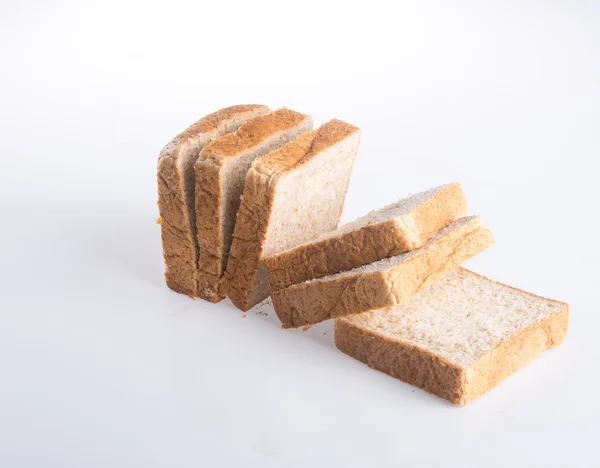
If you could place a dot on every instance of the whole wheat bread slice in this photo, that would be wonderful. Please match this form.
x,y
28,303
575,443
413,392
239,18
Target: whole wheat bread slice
x,y
458,338
383,283
400,227
221,171
291,195
176,186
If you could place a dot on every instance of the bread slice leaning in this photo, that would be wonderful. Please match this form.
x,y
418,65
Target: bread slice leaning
x,y
457,339
383,283
221,171
400,227
292,194
176,187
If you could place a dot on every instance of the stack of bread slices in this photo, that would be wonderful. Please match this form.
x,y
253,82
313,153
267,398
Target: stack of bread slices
x,y
250,200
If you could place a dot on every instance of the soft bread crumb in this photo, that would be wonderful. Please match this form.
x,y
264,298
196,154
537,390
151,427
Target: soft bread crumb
x,y
396,210
459,318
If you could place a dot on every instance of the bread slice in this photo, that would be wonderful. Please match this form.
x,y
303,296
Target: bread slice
x,y
383,283
458,338
292,194
221,172
405,225
176,185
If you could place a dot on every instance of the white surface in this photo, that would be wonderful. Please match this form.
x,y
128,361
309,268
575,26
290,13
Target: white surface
x,y
101,365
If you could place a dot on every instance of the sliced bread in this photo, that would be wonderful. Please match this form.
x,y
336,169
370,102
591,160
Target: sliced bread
x,y
176,186
458,338
383,283
291,195
403,226
221,171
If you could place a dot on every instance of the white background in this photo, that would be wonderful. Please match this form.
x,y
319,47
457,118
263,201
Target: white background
x,y
102,366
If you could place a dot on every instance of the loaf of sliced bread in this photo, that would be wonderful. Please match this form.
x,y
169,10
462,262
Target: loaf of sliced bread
x,y
403,226
291,195
221,173
176,187
383,283
458,338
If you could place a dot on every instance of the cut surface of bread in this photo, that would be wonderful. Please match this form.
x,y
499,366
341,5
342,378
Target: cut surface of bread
x,y
458,338
383,283
221,171
291,195
176,186
400,227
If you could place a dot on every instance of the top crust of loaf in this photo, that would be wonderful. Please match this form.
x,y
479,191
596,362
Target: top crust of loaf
x,y
208,124
459,318
296,153
251,134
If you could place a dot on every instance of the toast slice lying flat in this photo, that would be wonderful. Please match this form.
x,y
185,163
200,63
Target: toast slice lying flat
x,y
221,173
176,186
458,338
403,226
383,283
292,194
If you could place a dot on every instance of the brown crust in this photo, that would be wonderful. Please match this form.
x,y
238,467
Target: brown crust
x,y
240,278
208,210
403,361
180,249
366,244
209,182
249,235
293,156
317,300
210,123
252,133
177,240
436,375
514,353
